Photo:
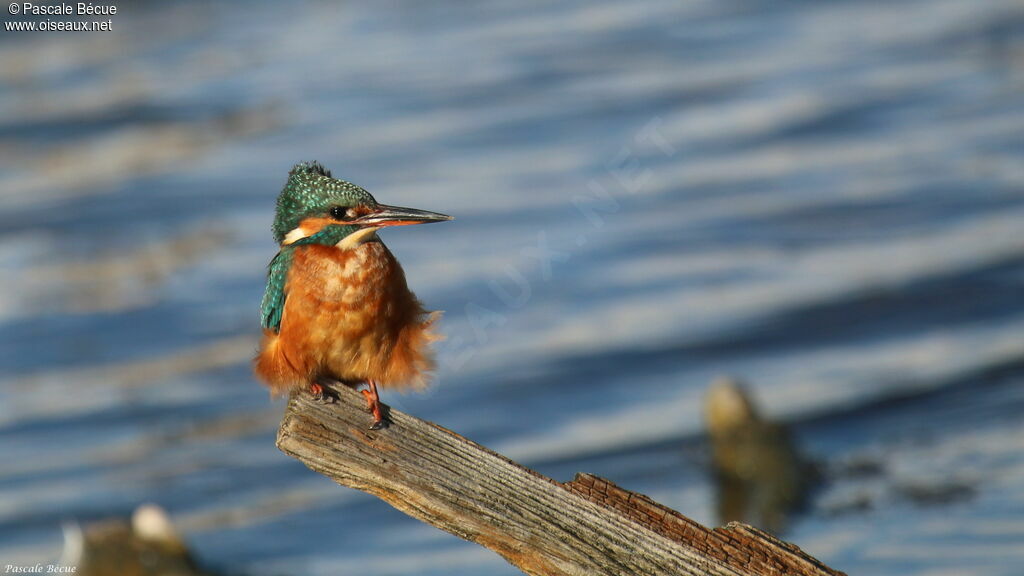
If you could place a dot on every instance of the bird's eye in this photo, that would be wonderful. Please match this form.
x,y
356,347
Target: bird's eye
x,y
342,213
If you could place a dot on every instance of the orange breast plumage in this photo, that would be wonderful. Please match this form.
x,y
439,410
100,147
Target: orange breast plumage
x,y
348,315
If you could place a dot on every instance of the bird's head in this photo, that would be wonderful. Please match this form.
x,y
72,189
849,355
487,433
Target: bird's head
x,y
315,206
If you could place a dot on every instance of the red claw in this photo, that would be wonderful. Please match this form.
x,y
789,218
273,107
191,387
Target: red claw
x,y
317,390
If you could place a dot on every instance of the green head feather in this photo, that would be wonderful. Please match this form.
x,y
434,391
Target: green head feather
x,y
311,191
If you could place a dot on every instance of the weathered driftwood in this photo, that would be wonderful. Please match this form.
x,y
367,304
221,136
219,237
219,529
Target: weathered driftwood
x,y
587,526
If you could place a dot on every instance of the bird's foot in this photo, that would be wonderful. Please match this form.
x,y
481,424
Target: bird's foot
x,y
322,393
373,406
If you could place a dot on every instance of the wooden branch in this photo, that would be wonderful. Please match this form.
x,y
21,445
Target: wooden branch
x,y
587,526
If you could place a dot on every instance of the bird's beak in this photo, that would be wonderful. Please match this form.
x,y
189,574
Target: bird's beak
x,y
398,216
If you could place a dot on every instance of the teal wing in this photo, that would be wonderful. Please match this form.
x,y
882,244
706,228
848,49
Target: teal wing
x,y
273,297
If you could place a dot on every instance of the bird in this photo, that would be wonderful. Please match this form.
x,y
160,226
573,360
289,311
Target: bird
x,y
337,308
761,476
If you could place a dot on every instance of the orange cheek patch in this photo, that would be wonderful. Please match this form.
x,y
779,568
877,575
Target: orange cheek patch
x,y
311,226
307,228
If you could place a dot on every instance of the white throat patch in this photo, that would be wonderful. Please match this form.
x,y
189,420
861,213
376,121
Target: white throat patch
x,y
358,237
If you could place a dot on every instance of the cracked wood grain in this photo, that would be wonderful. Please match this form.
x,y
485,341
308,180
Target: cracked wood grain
x,y
544,527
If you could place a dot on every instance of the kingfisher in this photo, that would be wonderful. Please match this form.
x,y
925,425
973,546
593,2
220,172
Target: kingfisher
x,y
337,308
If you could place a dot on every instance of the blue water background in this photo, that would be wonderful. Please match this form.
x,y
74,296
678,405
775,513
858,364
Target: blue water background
x,y
825,199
